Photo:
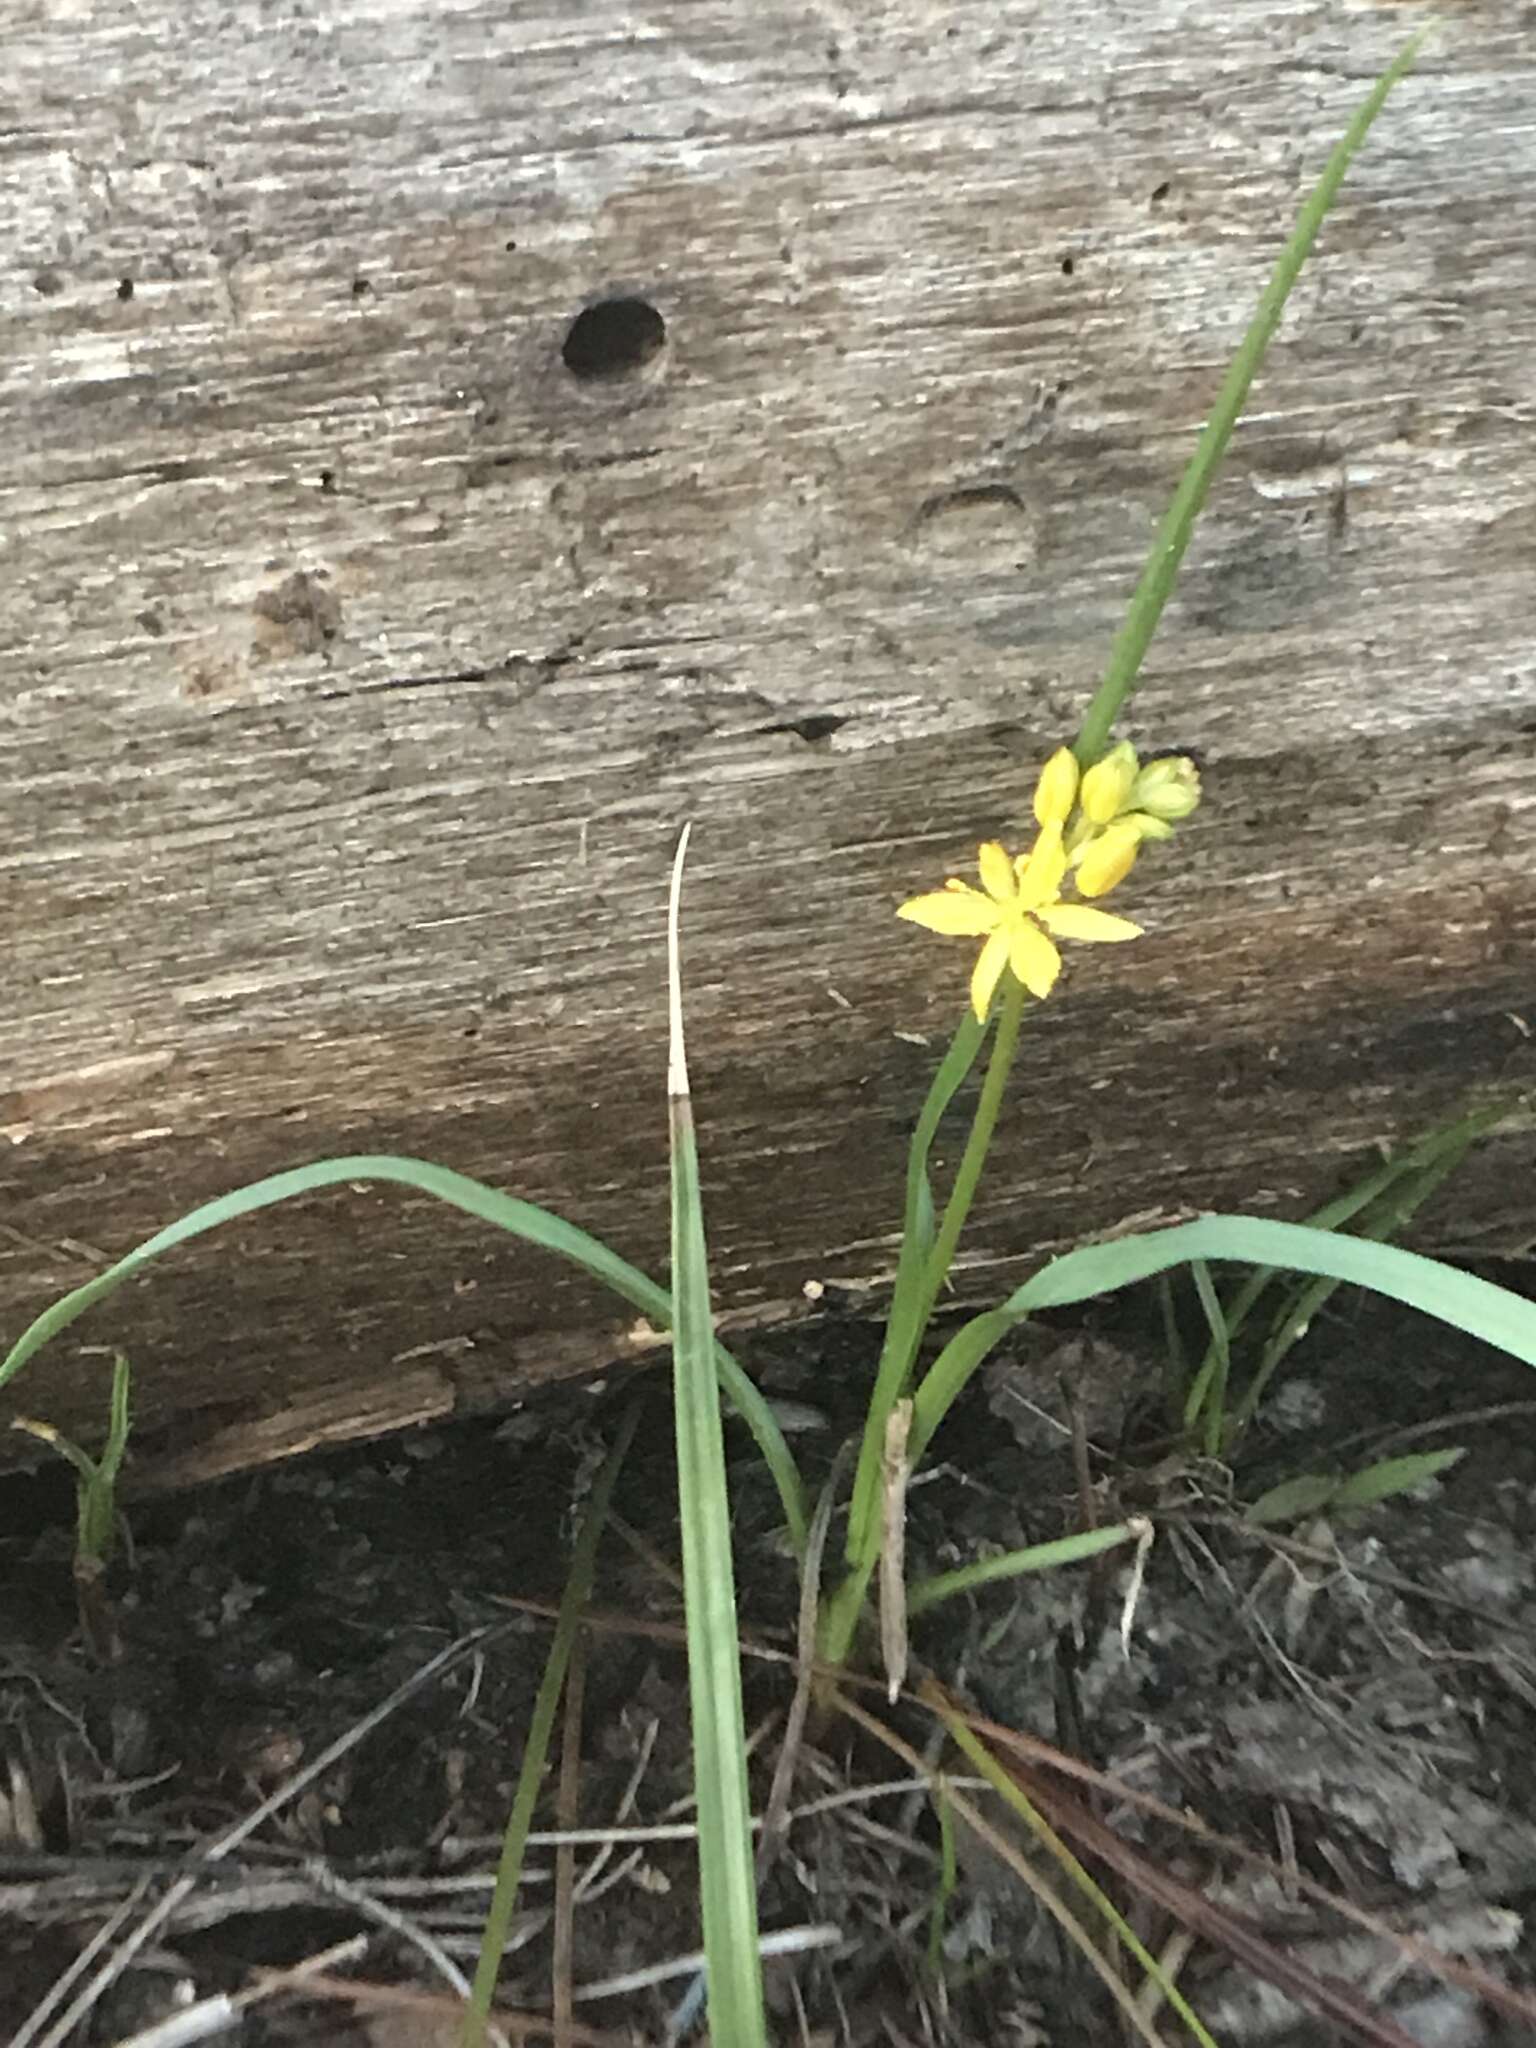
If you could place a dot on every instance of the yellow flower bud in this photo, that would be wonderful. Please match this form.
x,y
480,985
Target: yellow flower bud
x,y
1106,787
1109,858
1168,788
1056,791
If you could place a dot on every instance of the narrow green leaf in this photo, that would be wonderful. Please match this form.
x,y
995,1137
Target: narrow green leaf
x,y
1388,1213
81,1461
1444,1148
525,1220
1393,1475
1462,1300
1211,1393
1307,1494
1012,1564
98,1499
1313,1493
948,1878
895,1372
727,1881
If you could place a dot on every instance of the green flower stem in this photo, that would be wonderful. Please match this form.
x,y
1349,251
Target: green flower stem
x,y
898,1359
1172,538
864,1512
919,1280
905,1323
968,1176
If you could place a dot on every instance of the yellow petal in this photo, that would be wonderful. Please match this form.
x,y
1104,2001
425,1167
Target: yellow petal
x,y
1056,791
996,872
1041,870
1033,958
958,913
1077,921
1107,784
987,973
1109,859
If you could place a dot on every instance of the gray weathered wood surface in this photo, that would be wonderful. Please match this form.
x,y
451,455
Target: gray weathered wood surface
x,y
361,662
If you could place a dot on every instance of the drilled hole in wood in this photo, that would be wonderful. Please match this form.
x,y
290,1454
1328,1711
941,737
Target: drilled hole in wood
x,y
614,338
1068,265
125,288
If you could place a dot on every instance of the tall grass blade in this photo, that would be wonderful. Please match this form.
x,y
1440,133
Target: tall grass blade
x,y
727,1883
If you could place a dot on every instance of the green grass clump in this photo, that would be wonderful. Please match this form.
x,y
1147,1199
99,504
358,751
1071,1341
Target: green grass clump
x,y
1096,805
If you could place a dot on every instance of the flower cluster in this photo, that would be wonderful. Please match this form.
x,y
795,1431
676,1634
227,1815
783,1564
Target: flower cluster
x,y
1092,825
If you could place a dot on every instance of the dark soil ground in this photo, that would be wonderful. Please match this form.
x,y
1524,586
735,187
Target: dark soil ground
x,y
1354,1699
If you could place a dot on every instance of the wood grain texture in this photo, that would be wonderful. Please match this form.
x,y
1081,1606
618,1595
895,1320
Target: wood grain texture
x,y
361,661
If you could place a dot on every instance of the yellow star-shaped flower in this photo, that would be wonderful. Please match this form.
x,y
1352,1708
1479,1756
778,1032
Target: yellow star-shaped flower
x,y
1016,910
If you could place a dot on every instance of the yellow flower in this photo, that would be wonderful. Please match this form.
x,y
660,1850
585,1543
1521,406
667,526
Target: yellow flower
x,y
1016,911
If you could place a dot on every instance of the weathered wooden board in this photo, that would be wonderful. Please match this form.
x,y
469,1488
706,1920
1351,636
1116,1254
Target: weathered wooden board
x,y
362,659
